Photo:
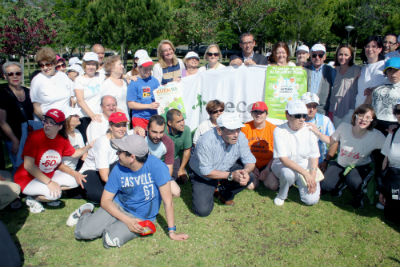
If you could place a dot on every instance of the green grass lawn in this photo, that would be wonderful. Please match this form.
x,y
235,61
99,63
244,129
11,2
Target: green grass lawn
x,y
252,233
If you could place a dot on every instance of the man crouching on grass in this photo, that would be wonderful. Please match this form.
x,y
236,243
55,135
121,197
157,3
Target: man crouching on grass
x,y
132,194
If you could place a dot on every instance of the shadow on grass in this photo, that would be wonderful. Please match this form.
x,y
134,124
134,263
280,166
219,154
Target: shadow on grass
x,y
14,221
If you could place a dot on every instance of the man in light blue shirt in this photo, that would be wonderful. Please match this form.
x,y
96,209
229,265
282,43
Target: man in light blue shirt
x,y
215,160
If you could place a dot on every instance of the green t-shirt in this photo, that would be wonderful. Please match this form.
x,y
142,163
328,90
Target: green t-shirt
x,y
182,140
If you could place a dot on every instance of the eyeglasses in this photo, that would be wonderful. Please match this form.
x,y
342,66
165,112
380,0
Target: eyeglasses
x,y
318,55
389,43
362,117
18,73
61,66
119,125
247,43
49,122
212,54
396,111
299,116
42,65
217,111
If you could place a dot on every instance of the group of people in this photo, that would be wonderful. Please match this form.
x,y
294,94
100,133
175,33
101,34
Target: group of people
x,y
91,130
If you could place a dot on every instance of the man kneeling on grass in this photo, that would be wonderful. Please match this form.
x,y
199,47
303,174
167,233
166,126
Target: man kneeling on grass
x,y
132,194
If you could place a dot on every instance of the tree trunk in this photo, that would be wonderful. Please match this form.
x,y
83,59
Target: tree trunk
x,y
22,61
29,66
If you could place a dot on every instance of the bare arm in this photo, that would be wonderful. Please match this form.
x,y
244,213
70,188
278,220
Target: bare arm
x,y
140,106
185,160
166,195
37,110
104,174
309,176
108,205
79,152
83,105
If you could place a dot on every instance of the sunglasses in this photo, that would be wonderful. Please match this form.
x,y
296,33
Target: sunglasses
x,y
396,111
299,116
45,65
257,112
318,55
119,125
18,73
217,111
61,66
212,54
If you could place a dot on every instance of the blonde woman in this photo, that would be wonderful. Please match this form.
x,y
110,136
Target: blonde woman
x,y
213,56
169,68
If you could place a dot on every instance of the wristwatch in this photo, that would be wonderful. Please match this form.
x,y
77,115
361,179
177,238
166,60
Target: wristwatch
x,y
230,177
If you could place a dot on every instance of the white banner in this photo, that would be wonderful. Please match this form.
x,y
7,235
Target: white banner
x,y
237,87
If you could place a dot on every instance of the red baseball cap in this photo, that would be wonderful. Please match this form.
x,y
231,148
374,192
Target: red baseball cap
x,y
118,117
149,227
259,106
56,114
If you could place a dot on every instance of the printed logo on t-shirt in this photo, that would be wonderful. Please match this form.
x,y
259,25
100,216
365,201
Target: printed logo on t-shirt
x,y
144,180
347,152
146,92
49,161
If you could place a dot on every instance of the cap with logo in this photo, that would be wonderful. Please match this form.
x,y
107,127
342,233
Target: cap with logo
x,y
55,114
118,117
259,106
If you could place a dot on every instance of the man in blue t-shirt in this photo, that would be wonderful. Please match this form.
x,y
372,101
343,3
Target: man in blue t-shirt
x,y
133,194
140,96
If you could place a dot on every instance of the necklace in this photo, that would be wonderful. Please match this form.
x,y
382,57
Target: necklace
x,y
19,94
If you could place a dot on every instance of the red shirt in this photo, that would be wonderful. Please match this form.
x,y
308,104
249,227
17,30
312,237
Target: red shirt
x,y
47,153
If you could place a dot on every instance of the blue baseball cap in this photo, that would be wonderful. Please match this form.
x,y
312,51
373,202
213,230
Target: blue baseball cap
x,y
393,63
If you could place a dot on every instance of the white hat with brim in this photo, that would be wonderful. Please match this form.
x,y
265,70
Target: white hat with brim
x,y
318,47
90,56
192,54
303,48
229,120
74,60
296,107
141,53
309,97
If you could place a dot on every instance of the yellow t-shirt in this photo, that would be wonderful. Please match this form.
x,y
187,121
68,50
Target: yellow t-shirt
x,y
261,142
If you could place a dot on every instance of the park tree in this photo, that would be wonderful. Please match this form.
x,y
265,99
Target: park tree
x,y
128,24
24,29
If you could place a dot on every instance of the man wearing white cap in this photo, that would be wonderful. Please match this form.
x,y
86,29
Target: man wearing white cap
x,y
323,124
215,160
140,96
320,77
133,194
302,55
296,154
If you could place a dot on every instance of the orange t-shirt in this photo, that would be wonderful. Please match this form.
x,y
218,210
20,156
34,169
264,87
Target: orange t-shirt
x,y
261,142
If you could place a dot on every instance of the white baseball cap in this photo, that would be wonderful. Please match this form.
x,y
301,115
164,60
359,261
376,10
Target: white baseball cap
x,y
296,107
74,60
141,53
309,97
75,67
90,56
318,47
145,62
192,54
229,120
303,48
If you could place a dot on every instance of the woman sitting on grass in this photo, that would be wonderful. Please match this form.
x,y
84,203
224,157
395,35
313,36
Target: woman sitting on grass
x,y
43,176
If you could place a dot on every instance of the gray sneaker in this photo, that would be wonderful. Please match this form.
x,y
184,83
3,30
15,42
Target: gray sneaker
x,y
74,216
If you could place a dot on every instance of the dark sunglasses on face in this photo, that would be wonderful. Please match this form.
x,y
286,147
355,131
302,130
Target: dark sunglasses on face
x,y
217,111
212,54
119,125
299,116
318,55
45,65
396,111
61,66
18,73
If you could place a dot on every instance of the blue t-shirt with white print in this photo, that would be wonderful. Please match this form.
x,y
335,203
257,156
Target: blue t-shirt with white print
x,y
138,192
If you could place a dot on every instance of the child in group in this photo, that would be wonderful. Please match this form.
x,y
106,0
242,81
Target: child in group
x,y
140,96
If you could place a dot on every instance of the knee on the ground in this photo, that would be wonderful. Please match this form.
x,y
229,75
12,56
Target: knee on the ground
x,y
310,200
202,211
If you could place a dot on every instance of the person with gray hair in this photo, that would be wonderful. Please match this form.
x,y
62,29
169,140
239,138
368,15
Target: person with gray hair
x,y
15,108
96,129
131,198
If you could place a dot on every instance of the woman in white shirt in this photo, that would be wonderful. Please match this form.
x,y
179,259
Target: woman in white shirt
x,y
101,158
356,141
372,72
213,57
87,92
49,88
115,85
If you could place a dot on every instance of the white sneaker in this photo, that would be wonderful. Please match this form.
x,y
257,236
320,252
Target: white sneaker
x,y
54,203
279,202
34,205
74,216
